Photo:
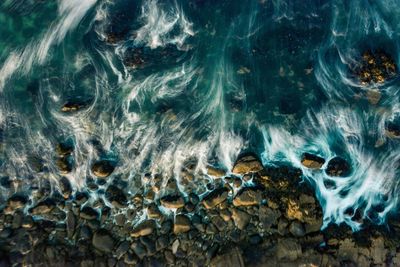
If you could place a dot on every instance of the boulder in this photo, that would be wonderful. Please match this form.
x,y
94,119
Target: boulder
x,y
312,161
247,163
248,196
215,197
172,201
182,224
338,166
240,218
103,241
143,229
103,168
212,171
288,249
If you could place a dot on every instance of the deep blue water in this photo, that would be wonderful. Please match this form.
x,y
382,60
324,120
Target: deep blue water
x,y
160,83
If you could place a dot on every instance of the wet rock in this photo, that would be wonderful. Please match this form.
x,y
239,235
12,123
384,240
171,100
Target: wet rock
x,y
215,197
172,201
116,196
65,187
70,106
232,258
139,250
64,149
249,196
338,167
194,198
297,229
154,212
17,201
312,161
103,241
374,67
64,164
130,258
378,251
240,218
122,249
143,229
212,171
392,130
288,249
102,168
88,213
43,207
373,96
218,222
268,217
247,163
182,224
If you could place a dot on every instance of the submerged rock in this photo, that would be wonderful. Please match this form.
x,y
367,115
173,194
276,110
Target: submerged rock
x,y
116,196
70,106
247,163
64,164
103,168
392,130
338,167
312,161
374,67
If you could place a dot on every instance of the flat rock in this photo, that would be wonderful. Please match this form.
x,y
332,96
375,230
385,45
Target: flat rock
x,y
312,161
232,258
248,196
143,229
182,224
103,241
172,201
247,163
215,197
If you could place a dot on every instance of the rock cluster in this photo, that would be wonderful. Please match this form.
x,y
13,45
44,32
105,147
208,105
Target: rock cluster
x,y
268,218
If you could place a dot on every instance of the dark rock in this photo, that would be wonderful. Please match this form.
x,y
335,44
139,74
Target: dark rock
x,y
240,218
17,201
215,197
43,207
122,249
103,241
392,130
64,164
172,201
218,222
194,198
297,229
64,149
248,196
166,227
116,196
255,239
81,198
312,161
88,213
71,106
102,168
247,163
154,212
182,224
162,242
288,249
232,258
338,167
139,250
144,228
65,187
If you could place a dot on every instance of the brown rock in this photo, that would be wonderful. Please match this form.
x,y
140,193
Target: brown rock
x,y
288,249
249,196
240,218
373,96
172,201
215,197
182,224
247,163
232,259
212,171
338,167
312,161
144,228
102,168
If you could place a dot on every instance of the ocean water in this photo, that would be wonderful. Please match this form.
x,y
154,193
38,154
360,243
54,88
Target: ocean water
x,y
162,83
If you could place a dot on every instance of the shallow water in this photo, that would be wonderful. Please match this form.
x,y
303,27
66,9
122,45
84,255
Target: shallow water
x,y
162,83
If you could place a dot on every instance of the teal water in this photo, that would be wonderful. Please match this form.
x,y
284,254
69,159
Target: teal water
x,y
161,83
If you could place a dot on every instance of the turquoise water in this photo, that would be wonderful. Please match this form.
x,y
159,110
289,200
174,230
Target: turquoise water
x,y
161,83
